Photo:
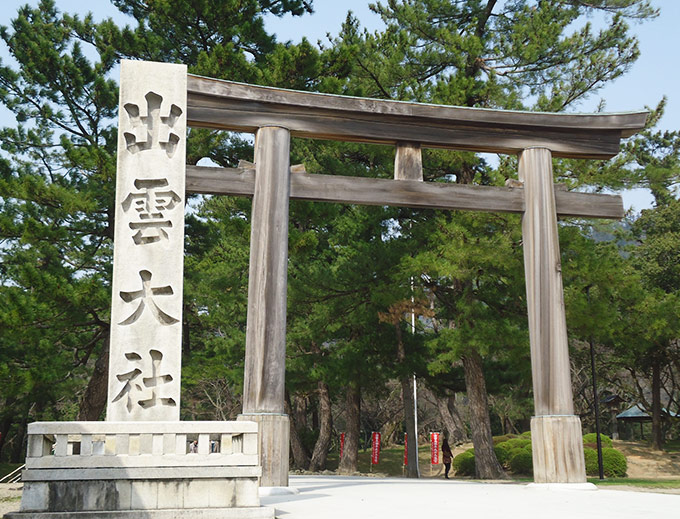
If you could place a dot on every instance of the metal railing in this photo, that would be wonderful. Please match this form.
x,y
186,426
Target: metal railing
x,y
13,477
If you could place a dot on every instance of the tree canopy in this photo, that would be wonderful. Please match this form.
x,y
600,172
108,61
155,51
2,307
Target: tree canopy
x,y
356,274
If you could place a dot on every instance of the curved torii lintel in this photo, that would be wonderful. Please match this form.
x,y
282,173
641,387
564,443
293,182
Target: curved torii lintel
x,y
228,105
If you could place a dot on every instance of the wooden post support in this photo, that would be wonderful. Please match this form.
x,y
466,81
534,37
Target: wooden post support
x,y
265,362
408,162
555,430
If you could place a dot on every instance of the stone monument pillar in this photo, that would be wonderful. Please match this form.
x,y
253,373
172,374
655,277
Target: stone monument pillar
x,y
556,437
143,462
146,308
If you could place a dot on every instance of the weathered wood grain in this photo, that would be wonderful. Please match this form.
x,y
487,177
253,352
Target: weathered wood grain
x,y
557,448
234,106
545,300
408,162
375,191
555,430
265,362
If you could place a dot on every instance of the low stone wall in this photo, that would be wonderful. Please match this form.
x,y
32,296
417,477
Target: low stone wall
x,y
156,469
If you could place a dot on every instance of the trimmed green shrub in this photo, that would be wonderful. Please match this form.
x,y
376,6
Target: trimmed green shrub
x,y
508,449
504,438
614,462
591,461
502,453
518,443
526,435
592,438
464,463
521,462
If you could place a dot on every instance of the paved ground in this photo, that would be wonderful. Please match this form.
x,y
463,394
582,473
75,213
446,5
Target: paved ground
x,y
336,497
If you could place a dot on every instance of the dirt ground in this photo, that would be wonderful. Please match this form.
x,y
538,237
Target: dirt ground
x,y
643,462
10,497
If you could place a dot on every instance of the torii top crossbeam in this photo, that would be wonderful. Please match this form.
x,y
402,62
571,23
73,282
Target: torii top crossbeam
x,y
228,105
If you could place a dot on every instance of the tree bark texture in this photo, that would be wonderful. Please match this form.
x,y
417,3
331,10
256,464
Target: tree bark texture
x,y
657,432
297,448
93,402
453,423
323,442
18,453
486,463
5,425
350,456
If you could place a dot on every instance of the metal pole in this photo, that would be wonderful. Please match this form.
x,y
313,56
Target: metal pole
x,y
415,419
415,388
600,465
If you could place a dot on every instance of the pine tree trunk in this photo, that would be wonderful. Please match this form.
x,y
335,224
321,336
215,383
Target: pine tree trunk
x,y
93,403
18,454
486,463
297,448
453,423
5,426
350,456
657,433
325,428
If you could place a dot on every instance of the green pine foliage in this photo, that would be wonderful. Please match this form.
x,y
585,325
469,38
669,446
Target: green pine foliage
x,y
352,270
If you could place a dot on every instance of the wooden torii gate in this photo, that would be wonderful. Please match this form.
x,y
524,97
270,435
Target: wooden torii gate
x,y
274,115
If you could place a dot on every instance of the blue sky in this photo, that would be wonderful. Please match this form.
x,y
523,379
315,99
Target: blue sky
x,y
655,74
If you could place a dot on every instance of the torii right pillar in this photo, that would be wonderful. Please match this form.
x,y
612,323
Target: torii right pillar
x,y
556,438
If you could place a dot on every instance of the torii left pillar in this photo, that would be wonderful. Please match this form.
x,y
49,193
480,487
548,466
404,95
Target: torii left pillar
x,y
265,362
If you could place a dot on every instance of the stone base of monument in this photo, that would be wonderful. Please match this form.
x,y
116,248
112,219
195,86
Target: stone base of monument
x,y
557,449
151,470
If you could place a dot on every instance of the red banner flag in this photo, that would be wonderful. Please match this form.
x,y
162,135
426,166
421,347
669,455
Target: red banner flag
x,y
375,449
434,448
405,449
342,444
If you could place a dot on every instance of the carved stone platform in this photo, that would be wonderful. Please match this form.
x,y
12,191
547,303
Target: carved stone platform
x,y
142,469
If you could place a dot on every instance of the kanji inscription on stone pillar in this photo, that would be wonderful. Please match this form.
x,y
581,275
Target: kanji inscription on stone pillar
x,y
146,309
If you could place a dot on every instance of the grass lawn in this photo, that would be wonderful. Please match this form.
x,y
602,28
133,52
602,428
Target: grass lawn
x,y
633,482
672,446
